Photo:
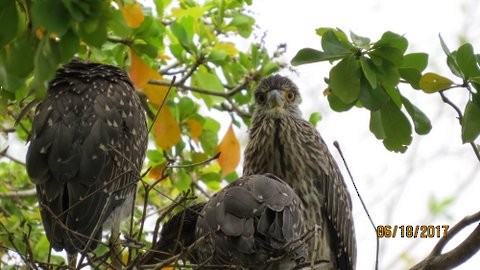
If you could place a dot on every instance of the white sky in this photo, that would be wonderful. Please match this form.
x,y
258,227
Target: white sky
x,y
395,187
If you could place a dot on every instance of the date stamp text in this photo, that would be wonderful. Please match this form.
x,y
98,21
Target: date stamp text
x,y
412,231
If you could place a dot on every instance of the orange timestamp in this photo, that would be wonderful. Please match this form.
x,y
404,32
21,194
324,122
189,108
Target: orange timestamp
x,y
412,231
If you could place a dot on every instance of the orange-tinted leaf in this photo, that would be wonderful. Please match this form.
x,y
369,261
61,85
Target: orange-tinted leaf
x,y
141,73
133,14
166,129
229,149
156,172
196,129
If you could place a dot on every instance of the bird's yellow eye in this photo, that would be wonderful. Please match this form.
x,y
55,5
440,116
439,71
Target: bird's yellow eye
x,y
261,98
290,96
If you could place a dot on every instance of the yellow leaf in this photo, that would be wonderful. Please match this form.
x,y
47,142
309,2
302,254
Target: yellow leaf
x,y
141,73
228,47
196,129
133,14
432,83
229,149
166,129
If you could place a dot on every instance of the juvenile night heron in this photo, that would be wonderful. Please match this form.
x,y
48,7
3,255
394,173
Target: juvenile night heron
x,y
282,143
255,222
87,147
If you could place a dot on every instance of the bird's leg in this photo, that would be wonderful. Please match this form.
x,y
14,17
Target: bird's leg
x,y
115,247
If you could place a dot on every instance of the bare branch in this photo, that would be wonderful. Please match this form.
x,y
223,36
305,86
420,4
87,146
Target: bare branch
x,y
458,255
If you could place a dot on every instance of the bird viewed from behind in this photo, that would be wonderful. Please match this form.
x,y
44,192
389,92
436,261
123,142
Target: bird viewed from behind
x,y
281,142
87,146
255,222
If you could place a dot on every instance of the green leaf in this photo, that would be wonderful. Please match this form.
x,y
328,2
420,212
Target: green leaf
x,y
308,55
471,122
411,68
218,57
11,21
432,83
179,31
338,32
243,23
333,46
397,128
368,71
93,30
376,126
345,79
186,108
390,39
337,104
412,76
68,45
451,59
46,61
439,206
52,15
467,62
394,94
182,180
390,53
418,61
315,118
387,73
372,98
359,41
209,81
420,120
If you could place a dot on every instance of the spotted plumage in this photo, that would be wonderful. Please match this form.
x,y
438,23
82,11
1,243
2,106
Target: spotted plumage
x,y
254,223
87,146
284,144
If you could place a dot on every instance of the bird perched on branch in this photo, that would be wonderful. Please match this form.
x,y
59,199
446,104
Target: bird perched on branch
x,y
87,147
284,144
255,222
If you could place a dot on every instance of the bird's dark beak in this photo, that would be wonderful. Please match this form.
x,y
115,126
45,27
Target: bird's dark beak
x,y
275,99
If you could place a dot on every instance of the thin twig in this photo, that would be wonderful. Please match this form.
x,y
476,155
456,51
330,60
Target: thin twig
x,y
203,162
4,153
460,119
19,193
337,145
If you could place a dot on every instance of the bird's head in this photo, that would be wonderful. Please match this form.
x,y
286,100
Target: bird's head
x,y
277,95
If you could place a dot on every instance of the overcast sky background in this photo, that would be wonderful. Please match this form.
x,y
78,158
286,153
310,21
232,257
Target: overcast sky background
x,y
395,187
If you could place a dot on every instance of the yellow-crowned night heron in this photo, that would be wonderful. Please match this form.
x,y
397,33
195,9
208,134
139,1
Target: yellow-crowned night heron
x,y
255,222
282,143
87,146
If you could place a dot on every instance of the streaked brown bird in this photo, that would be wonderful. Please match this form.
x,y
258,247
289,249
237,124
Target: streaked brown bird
x,y
87,146
281,142
255,222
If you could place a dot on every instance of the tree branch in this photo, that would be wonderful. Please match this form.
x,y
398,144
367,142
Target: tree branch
x,y
458,255
4,153
460,119
19,193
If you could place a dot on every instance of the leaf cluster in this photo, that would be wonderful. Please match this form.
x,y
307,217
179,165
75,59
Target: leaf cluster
x,y
367,74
